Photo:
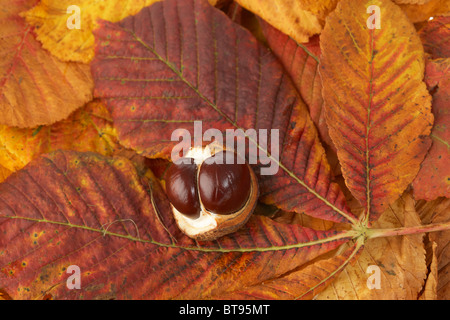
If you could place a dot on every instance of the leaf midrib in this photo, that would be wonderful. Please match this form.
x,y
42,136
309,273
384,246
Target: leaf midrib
x,y
340,236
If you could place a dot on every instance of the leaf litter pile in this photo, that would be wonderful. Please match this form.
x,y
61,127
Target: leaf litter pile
x,y
87,114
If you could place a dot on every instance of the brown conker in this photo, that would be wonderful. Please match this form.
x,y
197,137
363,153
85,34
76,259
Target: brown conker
x,y
212,193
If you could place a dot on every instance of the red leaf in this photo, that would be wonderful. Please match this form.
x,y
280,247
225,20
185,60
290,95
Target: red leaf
x,y
94,212
177,62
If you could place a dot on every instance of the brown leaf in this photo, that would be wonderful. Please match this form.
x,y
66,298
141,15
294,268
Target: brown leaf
x,y
430,288
434,212
401,261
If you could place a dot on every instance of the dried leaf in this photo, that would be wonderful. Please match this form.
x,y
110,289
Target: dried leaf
x,y
95,212
377,106
4,173
87,129
303,284
434,212
430,288
433,179
300,19
237,85
301,61
35,87
422,12
51,17
435,37
401,261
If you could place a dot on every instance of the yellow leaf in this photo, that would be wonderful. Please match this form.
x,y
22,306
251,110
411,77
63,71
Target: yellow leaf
x,y
299,19
52,17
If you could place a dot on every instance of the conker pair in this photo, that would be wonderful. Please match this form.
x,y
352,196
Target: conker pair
x,y
211,194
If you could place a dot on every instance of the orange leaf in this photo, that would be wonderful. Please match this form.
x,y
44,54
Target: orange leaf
x,y
377,106
418,12
35,87
4,173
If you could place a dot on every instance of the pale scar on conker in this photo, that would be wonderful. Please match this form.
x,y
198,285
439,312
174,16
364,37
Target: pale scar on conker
x,y
211,195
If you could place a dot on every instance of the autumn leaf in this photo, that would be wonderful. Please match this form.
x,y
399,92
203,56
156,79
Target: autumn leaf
x,y
298,19
377,106
87,129
301,61
418,12
51,17
88,187
437,211
153,83
435,37
433,179
401,261
303,284
96,212
35,87
4,173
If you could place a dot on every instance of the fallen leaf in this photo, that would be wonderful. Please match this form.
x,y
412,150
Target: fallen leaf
x,y
411,1
434,212
433,179
435,37
303,284
422,12
50,19
95,212
87,129
4,173
378,109
300,19
301,61
35,87
401,261
239,84
430,288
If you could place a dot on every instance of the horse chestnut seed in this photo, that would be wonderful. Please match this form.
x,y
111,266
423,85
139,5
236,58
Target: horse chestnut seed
x,y
211,193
